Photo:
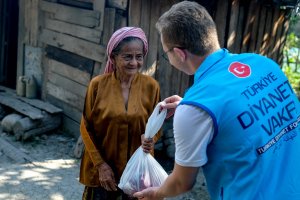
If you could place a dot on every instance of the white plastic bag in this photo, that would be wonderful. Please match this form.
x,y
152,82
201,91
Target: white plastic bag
x,y
142,170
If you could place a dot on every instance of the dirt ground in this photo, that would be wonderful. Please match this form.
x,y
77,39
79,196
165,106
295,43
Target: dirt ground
x,y
52,172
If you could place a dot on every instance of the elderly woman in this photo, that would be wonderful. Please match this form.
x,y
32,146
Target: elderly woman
x,y
117,107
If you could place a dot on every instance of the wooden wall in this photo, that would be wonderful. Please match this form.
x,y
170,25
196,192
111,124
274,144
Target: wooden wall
x,y
73,34
252,26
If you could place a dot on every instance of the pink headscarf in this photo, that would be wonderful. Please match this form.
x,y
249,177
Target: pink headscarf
x,y
117,37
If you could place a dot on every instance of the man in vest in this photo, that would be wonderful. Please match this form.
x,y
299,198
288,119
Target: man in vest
x,y
239,121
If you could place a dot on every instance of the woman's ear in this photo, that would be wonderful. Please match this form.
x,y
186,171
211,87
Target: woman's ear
x,y
113,59
180,53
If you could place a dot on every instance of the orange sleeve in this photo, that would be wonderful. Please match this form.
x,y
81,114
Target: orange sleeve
x,y
86,131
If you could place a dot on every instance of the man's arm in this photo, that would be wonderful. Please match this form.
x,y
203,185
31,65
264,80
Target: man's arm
x,y
179,181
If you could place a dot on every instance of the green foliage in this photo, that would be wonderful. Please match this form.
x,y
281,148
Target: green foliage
x,y
294,79
291,61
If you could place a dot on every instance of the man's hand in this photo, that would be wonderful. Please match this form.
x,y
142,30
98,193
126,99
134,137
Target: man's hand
x,y
171,103
148,194
106,177
147,144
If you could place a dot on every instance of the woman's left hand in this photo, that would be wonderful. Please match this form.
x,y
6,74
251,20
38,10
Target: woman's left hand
x,y
147,144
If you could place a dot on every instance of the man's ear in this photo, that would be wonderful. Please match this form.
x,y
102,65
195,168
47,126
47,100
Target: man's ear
x,y
180,53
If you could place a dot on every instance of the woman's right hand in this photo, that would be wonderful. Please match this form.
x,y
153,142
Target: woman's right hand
x,y
107,178
171,103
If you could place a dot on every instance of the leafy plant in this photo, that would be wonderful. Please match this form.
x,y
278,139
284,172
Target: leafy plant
x,y
294,78
291,61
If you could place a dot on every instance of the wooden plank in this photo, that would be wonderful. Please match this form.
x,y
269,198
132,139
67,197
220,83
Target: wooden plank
x,y
153,37
79,147
249,26
14,153
21,39
145,21
31,22
26,127
21,107
79,4
121,4
261,29
120,20
73,113
286,25
274,29
99,5
88,18
67,84
87,1
71,59
254,29
71,127
221,22
267,33
278,35
109,24
74,45
69,72
145,17
134,15
85,33
64,95
98,69
239,29
233,25
43,105
164,69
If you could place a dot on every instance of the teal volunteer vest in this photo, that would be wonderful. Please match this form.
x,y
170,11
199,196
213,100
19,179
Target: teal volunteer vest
x,y
255,151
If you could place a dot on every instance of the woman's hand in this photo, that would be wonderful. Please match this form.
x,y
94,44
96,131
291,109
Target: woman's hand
x,y
107,178
171,103
147,144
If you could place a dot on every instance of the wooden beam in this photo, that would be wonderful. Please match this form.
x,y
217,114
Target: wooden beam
x,y
267,33
221,22
251,27
261,29
85,33
64,95
21,107
153,36
78,3
109,24
134,15
70,111
74,74
21,39
278,36
233,25
71,127
75,45
121,4
13,152
71,59
99,6
67,84
274,29
83,17
32,22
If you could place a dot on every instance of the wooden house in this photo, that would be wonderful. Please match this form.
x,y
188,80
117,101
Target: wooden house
x,y
62,43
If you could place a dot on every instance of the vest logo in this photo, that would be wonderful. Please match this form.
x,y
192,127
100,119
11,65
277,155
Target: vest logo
x,y
240,70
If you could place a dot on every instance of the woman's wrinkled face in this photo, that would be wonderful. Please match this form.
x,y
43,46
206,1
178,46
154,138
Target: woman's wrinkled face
x,y
130,58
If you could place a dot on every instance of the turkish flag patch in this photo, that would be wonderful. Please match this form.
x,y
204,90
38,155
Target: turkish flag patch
x,y
240,70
